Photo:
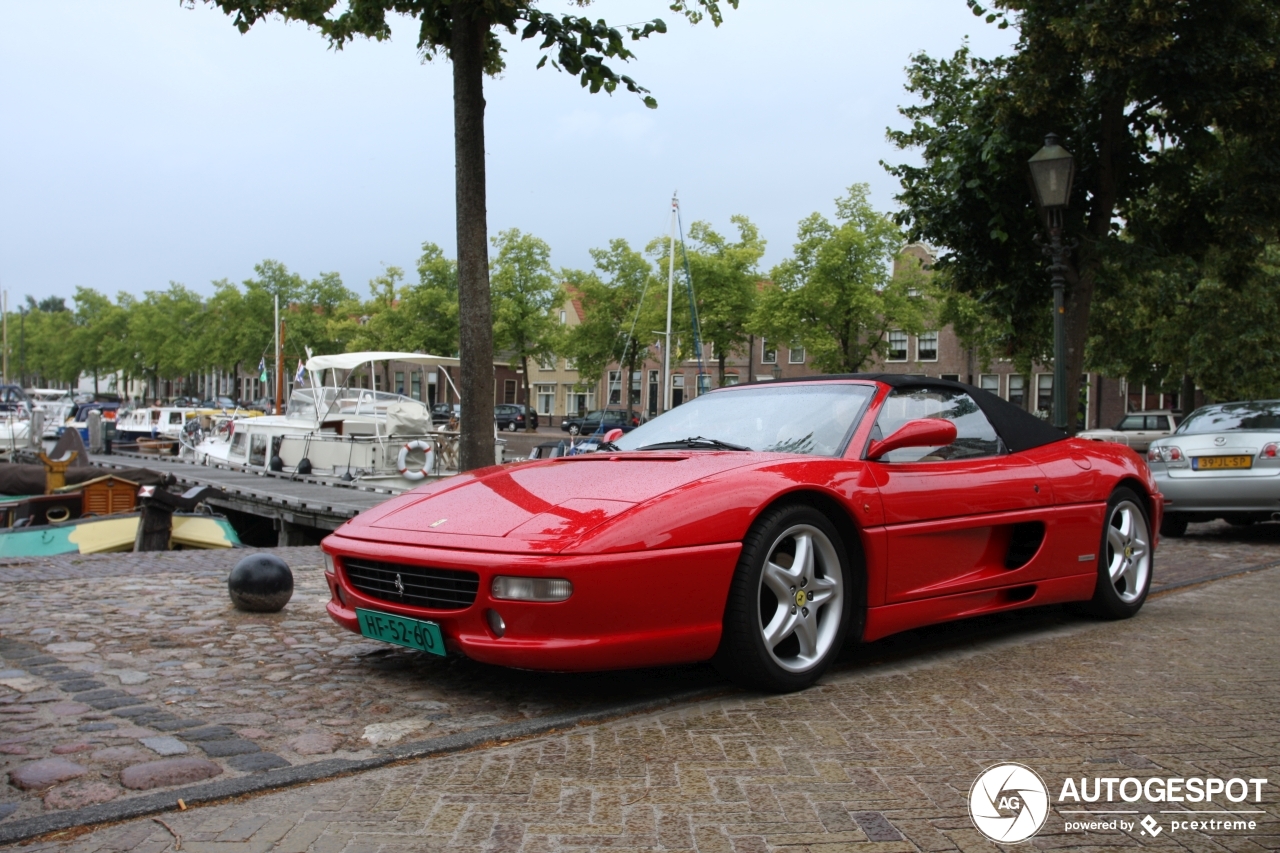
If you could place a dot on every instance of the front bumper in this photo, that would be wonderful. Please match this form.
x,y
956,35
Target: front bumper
x,y
1219,493
627,610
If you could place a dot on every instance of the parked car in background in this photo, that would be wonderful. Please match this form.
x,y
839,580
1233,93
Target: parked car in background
x,y
511,416
1136,429
219,403
592,422
440,413
1222,462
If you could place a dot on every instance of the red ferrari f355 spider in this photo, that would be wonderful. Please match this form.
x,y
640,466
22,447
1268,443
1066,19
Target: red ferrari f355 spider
x,y
757,526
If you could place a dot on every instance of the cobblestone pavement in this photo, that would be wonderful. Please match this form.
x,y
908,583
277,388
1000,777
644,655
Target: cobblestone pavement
x,y
876,758
155,682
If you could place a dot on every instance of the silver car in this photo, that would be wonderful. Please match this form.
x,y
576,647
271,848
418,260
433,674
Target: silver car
x,y
1136,429
1222,462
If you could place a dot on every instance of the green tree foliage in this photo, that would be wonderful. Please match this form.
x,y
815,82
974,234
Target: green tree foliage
x,y
1146,96
620,309
466,32
835,296
525,294
725,278
42,331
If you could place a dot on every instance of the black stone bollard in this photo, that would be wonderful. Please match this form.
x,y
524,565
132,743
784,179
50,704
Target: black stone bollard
x,y
260,583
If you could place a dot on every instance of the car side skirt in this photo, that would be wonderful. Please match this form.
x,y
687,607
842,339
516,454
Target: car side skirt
x,y
893,618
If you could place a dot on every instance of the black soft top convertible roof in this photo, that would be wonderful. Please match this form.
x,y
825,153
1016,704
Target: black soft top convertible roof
x,y
1019,429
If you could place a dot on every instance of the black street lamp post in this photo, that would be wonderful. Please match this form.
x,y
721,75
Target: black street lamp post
x,y
1052,169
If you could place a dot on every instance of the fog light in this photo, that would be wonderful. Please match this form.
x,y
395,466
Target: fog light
x,y
496,625
531,589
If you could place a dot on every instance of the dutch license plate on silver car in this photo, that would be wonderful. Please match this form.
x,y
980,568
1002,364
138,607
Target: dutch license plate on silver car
x,y
413,633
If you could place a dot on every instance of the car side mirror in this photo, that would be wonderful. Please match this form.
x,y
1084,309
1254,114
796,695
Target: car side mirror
x,y
613,435
926,432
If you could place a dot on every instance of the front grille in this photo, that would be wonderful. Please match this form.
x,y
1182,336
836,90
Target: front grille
x,y
439,589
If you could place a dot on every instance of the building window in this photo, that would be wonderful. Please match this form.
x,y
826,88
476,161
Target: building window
x,y
509,391
615,387
730,379
953,377
897,346
547,362
767,355
546,399
1018,390
399,381
990,382
927,347
795,353
570,364
563,317
1044,394
636,379
415,383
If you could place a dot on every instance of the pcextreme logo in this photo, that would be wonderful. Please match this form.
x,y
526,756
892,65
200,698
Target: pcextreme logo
x,y
1010,802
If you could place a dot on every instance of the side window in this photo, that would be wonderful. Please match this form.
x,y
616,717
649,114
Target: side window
x,y
1131,422
975,437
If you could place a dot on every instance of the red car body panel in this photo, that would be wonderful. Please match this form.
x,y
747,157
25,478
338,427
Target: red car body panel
x,y
651,540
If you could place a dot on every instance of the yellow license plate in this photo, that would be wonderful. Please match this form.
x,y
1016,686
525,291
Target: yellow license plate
x,y
1205,463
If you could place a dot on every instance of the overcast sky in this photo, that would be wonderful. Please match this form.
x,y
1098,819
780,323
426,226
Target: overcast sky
x,y
143,143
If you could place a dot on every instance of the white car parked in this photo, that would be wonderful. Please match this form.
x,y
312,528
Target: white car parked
x,y
1136,430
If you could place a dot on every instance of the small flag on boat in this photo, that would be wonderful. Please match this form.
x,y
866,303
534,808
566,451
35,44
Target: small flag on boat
x,y
262,369
300,378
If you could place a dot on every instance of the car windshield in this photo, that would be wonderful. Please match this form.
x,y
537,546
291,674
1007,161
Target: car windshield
x,y
1261,415
803,418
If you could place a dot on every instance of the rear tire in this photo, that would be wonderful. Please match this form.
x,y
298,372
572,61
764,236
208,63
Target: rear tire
x,y
1173,526
790,604
1124,558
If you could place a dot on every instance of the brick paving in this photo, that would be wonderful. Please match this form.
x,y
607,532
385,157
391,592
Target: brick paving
x,y
183,677
877,758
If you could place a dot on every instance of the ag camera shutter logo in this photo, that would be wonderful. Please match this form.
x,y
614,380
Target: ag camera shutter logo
x,y
1008,803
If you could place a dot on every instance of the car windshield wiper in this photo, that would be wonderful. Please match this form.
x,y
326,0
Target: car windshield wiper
x,y
694,442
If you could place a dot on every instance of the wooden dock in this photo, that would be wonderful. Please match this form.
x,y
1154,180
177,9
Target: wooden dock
x,y
300,507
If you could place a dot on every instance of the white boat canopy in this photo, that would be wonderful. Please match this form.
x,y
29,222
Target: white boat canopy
x,y
352,360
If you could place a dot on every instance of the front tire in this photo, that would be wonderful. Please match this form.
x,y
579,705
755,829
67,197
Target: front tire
x,y
790,602
573,429
1124,558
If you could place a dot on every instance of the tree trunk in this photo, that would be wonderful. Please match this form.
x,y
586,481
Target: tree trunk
x,y
1188,396
524,366
720,358
475,317
1080,291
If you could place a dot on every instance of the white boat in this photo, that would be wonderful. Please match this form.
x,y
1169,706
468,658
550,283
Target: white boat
x,y
340,432
15,420
56,404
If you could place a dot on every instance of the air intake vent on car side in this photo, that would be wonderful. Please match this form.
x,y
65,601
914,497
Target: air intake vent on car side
x,y
398,583
1024,542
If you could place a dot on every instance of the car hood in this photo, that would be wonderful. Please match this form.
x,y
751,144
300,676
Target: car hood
x,y
544,506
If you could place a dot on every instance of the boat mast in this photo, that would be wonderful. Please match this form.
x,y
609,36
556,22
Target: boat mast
x,y
279,375
671,280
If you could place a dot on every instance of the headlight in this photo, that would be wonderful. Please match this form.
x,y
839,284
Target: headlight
x,y
530,589
330,567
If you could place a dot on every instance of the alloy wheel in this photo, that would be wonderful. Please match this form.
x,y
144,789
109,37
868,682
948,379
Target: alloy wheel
x,y
1128,557
801,598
